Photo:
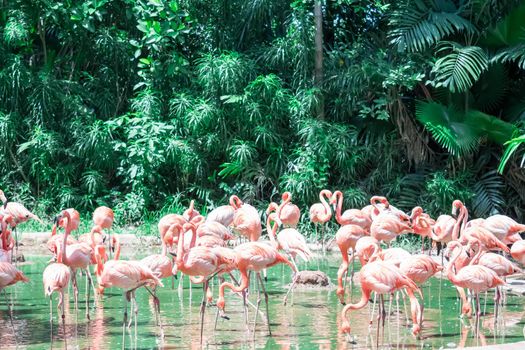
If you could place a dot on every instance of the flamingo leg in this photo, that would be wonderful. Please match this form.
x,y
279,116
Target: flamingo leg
x,y
257,305
292,285
10,312
203,306
373,308
75,287
266,301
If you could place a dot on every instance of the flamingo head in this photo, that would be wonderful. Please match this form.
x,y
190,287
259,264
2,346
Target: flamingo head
x,y
456,205
286,196
340,294
345,327
335,195
417,211
271,207
416,329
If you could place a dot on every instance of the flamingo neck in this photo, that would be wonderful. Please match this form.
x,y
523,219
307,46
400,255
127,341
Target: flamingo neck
x,y
286,199
180,249
365,295
272,230
465,217
450,273
116,243
459,220
326,206
339,207
66,234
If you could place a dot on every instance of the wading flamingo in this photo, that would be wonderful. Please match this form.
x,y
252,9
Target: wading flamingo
x,y
288,213
350,216
422,225
346,238
477,278
246,220
254,256
128,275
321,213
383,278
10,275
387,226
504,228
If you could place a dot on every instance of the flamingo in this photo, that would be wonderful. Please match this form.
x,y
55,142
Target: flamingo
x,y
446,228
10,275
128,275
61,221
350,216
419,268
517,251
504,228
197,261
289,239
225,213
421,225
6,248
367,248
387,226
474,277
76,256
288,213
246,220
394,256
383,278
346,238
254,256
190,213
321,213
56,277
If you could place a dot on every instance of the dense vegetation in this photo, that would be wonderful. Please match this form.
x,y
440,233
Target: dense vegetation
x,y
142,104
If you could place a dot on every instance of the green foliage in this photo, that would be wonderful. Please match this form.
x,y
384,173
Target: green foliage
x,y
142,104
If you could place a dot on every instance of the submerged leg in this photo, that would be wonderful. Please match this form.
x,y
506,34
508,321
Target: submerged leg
x,y
292,285
257,304
203,306
266,301
10,312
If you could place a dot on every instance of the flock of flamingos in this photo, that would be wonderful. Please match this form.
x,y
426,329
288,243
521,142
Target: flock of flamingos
x,y
203,247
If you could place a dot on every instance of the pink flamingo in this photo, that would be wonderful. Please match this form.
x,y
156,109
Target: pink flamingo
x,y
383,278
419,268
474,277
190,213
289,239
8,243
76,256
10,275
254,256
55,278
321,213
346,238
387,226
422,225
128,275
246,220
350,216
517,251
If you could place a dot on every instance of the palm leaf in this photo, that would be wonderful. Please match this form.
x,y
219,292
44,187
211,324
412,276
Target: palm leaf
x,y
488,194
447,127
514,54
512,146
461,68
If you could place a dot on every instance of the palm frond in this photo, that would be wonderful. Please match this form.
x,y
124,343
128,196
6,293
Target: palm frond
x,y
515,54
461,68
488,194
512,146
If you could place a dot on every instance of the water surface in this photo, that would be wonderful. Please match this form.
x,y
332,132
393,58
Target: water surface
x,y
310,321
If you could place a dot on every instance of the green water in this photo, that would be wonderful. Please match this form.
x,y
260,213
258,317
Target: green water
x,y
312,322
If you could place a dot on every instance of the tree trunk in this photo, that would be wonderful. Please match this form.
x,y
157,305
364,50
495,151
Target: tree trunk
x,y
318,77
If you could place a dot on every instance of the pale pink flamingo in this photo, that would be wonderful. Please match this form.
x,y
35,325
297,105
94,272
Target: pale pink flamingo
x,y
291,241
10,275
76,256
387,226
383,278
474,277
346,238
128,275
190,213
254,256
517,251
288,213
225,213
246,220
214,228
504,228
367,248
419,268
393,256
321,213
350,216
422,225
56,277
